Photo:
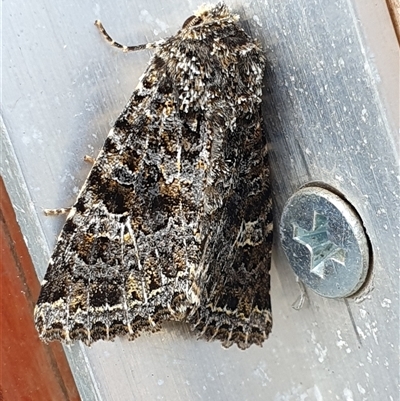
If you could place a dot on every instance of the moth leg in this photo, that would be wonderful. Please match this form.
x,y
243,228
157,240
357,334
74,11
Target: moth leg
x,y
89,159
56,212
298,304
66,210
118,45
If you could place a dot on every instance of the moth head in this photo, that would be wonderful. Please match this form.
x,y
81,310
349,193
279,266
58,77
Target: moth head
x,y
209,13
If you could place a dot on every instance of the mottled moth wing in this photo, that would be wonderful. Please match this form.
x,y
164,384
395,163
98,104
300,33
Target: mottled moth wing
x,y
174,221
123,259
234,277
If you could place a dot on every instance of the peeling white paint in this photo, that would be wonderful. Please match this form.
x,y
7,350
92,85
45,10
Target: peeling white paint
x,y
257,20
361,389
361,333
319,350
342,343
318,394
372,330
348,394
369,356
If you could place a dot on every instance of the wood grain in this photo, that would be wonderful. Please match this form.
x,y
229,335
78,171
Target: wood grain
x,y
30,370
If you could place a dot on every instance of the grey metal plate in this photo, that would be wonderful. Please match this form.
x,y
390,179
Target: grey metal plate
x,y
330,111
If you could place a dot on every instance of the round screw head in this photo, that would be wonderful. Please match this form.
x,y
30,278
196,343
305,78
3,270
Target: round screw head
x,y
325,243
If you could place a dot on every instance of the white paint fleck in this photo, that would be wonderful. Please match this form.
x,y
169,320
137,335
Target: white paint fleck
x,y
37,136
361,389
148,18
303,397
162,25
317,393
319,350
348,394
26,140
291,394
342,343
144,15
361,333
373,330
386,303
160,382
257,20
260,372
363,313
298,393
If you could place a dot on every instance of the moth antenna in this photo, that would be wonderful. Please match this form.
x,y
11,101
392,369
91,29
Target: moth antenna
x,y
123,47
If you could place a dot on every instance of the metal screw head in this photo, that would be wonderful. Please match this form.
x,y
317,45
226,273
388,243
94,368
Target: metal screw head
x,y
325,242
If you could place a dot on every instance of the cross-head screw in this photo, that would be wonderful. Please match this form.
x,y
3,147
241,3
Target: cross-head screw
x,y
325,242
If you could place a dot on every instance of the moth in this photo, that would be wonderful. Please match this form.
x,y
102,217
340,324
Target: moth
x,y
174,221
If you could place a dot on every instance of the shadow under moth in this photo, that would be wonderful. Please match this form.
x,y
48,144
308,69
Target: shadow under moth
x,y
174,221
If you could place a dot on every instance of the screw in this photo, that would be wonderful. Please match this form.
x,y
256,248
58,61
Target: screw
x,y
325,243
